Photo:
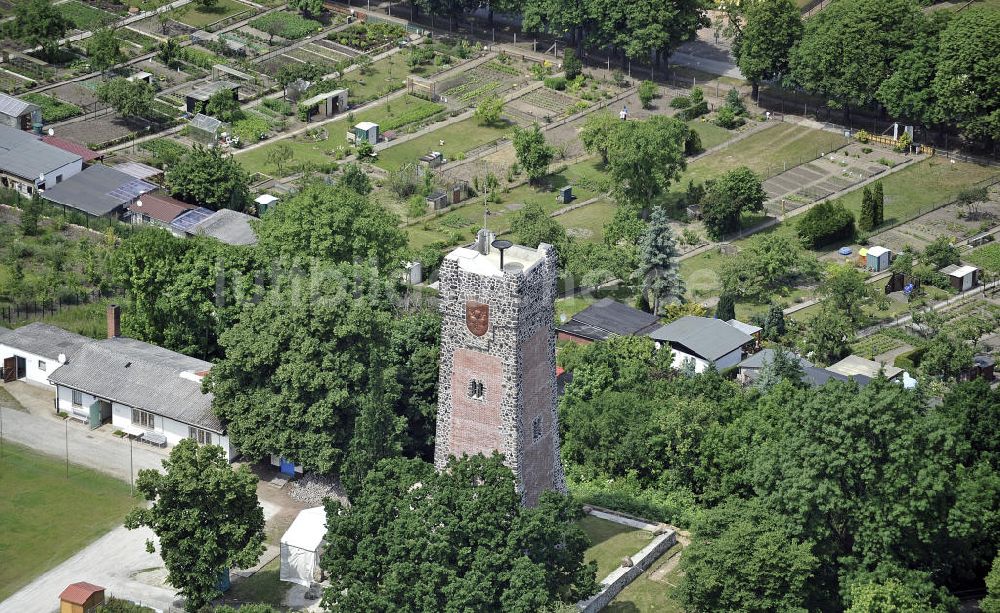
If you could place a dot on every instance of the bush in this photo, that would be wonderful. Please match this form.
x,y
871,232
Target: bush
x,y
556,83
165,151
647,92
251,129
734,102
728,119
698,106
863,136
825,223
680,102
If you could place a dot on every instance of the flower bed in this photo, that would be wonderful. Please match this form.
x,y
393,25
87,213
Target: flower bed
x,y
290,26
53,110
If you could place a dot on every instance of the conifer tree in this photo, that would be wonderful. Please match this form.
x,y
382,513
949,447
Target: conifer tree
x,y
866,220
726,308
658,262
878,201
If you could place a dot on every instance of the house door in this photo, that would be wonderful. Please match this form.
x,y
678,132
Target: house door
x,y
9,369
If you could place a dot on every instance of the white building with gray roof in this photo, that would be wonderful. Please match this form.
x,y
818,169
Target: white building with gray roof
x,y
28,164
147,391
702,340
32,352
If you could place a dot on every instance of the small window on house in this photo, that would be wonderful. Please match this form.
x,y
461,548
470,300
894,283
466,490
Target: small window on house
x,y
41,365
202,437
77,398
143,419
58,178
536,428
477,390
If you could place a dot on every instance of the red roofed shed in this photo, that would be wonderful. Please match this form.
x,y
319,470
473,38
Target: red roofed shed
x,y
81,597
74,148
157,207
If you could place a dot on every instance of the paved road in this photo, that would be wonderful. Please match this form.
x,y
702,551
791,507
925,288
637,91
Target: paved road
x,y
44,432
117,561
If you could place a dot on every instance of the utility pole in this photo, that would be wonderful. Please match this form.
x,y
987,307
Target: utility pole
x,y
66,424
131,470
1,433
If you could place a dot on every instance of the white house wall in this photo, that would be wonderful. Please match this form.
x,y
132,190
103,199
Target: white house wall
x,y
727,361
66,171
32,371
121,416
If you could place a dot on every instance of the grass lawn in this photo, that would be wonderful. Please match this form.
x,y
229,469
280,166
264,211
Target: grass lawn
x,y
36,499
263,587
458,138
921,186
464,221
711,134
644,595
199,17
764,152
586,223
83,16
385,76
305,149
611,542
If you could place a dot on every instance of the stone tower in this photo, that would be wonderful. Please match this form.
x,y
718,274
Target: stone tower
x,y
497,386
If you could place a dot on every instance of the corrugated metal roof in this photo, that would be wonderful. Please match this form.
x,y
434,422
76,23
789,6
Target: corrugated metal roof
x,y
186,221
854,365
205,91
137,170
98,190
616,318
71,147
709,338
15,107
24,155
142,376
227,226
44,340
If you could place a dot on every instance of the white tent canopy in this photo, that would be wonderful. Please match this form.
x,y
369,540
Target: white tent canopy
x,y
300,546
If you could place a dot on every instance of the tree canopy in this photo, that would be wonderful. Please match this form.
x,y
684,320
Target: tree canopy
x,y
416,539
728,197
128,98
38,23
205,515
209,178
765,40
300,366
533,153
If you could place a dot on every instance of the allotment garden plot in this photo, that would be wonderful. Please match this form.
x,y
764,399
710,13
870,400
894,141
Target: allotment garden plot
x,y
824,176
491,78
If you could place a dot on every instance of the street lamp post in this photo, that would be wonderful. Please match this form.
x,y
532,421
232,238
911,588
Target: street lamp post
x,y
131,470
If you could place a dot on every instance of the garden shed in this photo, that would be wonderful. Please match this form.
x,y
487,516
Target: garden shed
x,y
16,113
962,278
264,203
877,259
205,129
81,597
366,131
301,546
327,104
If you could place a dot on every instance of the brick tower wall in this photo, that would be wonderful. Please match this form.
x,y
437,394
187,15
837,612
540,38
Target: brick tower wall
x,y
515,360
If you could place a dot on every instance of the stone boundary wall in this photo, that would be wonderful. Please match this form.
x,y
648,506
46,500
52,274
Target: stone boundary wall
x,y
618,579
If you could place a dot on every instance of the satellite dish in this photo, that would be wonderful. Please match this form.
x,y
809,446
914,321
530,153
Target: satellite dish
x,y
51,132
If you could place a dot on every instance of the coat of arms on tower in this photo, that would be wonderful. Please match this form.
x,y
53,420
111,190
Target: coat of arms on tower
x,y
477,317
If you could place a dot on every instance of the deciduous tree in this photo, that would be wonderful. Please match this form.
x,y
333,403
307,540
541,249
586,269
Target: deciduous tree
x,y
205,515
324,224
515,558
644,158
728,197
128,98
209,178
533,153
763,44
490,110
38,23
301,365
356,179
104,49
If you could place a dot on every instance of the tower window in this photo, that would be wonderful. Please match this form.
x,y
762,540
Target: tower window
x,y
477,390
536,428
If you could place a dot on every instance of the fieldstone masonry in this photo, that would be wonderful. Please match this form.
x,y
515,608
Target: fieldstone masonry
x,y
497,388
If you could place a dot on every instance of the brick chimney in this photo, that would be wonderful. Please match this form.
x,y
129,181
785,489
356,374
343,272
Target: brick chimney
x,y
114,321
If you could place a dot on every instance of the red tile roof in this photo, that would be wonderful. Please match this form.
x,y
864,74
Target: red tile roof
x,y
160,207
79,593
70,146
